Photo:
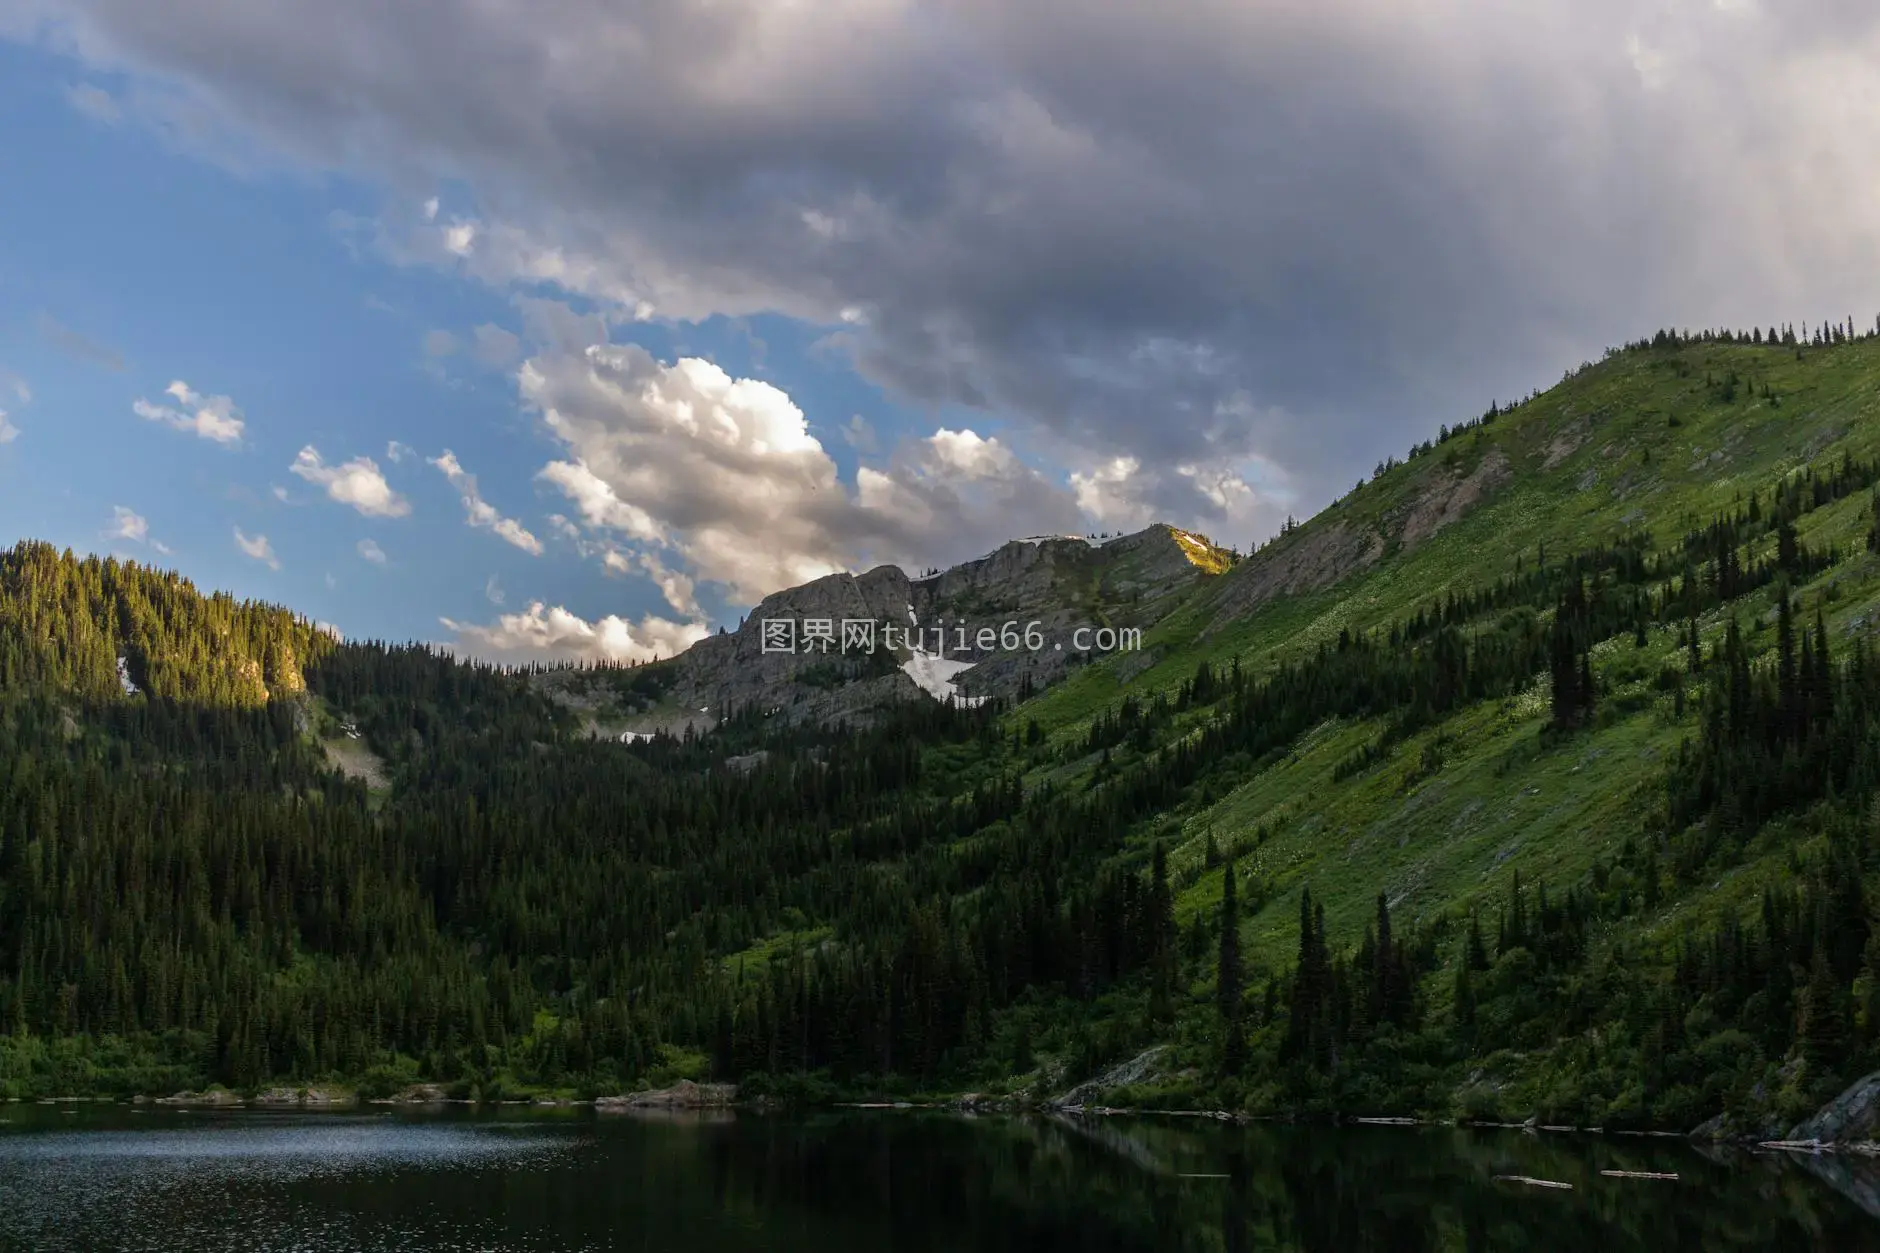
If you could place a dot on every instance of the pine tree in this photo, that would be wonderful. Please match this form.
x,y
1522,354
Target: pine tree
x,y
1824,1018
1475,953
1227,970
1162,939
1464,998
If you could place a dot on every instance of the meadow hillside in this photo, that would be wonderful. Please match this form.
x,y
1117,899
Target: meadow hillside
x,y
1532,777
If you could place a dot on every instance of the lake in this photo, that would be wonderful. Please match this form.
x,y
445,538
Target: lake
x,y
105,1178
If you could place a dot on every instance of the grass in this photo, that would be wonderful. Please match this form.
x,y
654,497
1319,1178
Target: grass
x,y
1641,440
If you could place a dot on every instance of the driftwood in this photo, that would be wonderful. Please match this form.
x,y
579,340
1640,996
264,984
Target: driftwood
x,y
1533,1183
1636,1174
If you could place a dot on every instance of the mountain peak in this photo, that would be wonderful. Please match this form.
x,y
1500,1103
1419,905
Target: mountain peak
x,y
1017,618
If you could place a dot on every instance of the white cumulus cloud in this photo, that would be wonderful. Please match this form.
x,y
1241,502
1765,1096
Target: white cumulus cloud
x,y
479,512
257,547
130,525
370,550
541,633
214,418
358,483
719,478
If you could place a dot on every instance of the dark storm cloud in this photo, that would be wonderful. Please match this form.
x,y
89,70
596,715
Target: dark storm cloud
x,y
1186,235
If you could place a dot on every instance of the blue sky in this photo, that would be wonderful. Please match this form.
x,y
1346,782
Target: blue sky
x,y
705,301
145,265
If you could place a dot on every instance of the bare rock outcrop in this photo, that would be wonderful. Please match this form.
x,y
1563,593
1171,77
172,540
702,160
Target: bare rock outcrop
x,y
1447,498
1853,1116
1138,1069
684,1094
1009,618
1318,557
213,1098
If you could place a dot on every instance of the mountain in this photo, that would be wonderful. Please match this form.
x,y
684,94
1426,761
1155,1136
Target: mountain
x,y
1534,777
1003,625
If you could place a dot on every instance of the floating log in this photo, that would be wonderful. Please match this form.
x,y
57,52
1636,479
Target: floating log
x,y
1637,1174
1534,1183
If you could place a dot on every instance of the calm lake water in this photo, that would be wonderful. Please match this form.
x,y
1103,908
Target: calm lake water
x,y
107,1178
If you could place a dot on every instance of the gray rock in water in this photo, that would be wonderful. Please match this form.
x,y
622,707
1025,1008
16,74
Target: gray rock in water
x,y
1137,1069
1852,1116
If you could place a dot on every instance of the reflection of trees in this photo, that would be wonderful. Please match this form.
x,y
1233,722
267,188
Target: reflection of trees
x,y
844,1183
934,1181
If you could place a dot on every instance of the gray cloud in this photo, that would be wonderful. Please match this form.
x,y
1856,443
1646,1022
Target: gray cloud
x,y
1307,230
495,346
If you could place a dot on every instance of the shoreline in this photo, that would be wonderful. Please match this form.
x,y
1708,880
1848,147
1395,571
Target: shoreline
x,y
722,1099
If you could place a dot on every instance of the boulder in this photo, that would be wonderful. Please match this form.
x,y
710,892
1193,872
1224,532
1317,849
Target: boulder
x,y
1854,1115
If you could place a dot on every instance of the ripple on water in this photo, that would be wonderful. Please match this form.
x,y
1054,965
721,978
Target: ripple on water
x,y
260,1187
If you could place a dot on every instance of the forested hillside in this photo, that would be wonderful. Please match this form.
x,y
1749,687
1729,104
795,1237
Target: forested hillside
x,y
1533,777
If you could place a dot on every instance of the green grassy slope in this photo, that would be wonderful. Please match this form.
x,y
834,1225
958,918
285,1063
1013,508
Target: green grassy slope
x,y
1657,439
965,898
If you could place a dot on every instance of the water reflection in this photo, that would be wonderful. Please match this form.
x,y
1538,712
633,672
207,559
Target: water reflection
x,y
839,1182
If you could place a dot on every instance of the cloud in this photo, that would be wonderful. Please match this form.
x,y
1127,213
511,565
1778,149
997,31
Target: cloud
x,y
495,347
1303,232
858,434
493,591
257,546
370,550
8,432
396,452
557,325
78,345
721,475
128,524
358,483
11,382
439,343
679,589
212,418
479,513
543,634
95,103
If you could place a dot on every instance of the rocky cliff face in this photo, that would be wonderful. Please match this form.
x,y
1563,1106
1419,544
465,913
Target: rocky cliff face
x,y
844,646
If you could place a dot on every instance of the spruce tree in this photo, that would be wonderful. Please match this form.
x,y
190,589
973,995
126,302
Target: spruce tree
x,y
1227,970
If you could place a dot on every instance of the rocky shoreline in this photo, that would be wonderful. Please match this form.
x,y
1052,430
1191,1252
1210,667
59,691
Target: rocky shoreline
x,y
1849,1125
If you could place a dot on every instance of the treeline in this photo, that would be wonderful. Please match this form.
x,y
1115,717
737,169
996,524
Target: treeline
x,y
1823,334
180,869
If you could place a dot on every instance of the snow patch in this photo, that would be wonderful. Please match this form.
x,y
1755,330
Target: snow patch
x,y
634,737
1077,539
910,616
124,677
934,675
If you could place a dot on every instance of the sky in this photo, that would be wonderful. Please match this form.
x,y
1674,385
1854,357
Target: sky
x,y
572,328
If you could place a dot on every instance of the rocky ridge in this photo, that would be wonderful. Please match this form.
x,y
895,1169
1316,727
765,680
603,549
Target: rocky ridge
x,y
991,626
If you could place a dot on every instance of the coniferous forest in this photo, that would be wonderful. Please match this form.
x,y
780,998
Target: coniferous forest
x,y
999,898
